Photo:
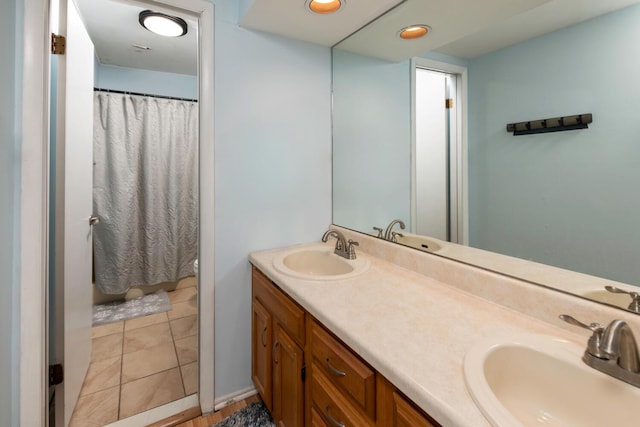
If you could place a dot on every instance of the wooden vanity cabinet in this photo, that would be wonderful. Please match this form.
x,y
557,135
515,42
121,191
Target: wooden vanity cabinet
x,y
343,385
292,350
395,410
261,342
278,337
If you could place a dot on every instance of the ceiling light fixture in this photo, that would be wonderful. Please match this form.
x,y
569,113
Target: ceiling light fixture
x,y
325,6
414,32
162,24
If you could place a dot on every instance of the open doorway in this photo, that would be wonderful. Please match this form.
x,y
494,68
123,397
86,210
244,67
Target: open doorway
x,y
138,359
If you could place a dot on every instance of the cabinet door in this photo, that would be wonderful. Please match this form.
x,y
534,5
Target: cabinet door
x,y
405,415
394,410
261,342
288,388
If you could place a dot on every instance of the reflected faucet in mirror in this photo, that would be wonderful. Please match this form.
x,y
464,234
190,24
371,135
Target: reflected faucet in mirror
x,y
389,234
634,305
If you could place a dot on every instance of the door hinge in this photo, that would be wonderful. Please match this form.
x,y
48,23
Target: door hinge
x,y
56,374
303,373
58,44
448,103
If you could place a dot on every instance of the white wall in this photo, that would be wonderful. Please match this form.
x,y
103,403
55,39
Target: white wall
x,y
9,181
272,168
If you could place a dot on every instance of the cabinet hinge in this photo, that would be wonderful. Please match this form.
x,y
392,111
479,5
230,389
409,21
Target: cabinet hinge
x,y
56,374
58,44
303,373
448,103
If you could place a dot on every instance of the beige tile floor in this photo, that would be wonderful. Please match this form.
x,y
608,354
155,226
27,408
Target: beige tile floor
x,y
142,363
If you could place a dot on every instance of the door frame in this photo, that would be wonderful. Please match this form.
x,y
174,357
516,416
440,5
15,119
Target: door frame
x,y
459,158
32,75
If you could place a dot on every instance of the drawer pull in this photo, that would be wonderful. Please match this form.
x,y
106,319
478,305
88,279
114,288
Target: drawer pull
x,y
338,372
273,352
264,344
331,419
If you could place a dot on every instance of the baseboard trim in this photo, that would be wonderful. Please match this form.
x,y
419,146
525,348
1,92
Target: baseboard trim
x,y
186,404
232,398
180,418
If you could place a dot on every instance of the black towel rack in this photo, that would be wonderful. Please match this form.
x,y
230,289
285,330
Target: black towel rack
x,y
555,124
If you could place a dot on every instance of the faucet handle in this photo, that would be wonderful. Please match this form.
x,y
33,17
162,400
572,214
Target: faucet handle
x,y
351,251
635,302
395,235
595,341
380,231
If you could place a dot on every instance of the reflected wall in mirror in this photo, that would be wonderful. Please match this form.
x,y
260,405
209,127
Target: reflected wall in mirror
x,y
565,199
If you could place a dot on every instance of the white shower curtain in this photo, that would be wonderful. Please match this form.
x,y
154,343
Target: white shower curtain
x,y
145,190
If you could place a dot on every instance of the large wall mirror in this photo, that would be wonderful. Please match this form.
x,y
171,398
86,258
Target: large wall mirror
x,y
568,199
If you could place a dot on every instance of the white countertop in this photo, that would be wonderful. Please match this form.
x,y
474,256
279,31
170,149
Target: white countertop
x,y
411,328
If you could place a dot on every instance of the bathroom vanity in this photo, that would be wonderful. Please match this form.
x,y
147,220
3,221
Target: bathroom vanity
x,y
295,356
385,344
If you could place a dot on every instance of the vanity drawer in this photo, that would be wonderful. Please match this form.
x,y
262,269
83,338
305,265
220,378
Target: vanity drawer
x,y
333,409
343,368
288,314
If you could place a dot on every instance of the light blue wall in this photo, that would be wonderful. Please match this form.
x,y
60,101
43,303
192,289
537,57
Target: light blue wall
x,y
272,168
569,195
145,81
371,132
9,182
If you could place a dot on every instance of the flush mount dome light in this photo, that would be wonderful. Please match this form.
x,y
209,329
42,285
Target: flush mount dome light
x,y
414,32
324,6
162,24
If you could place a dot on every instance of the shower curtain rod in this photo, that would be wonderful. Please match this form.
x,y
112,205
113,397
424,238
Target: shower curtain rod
x,y
97,89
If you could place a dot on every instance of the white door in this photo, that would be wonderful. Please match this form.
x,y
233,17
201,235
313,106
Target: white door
x,y
432,186
73,209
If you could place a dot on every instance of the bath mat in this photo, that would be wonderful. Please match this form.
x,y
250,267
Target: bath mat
x,y
254,415
137,307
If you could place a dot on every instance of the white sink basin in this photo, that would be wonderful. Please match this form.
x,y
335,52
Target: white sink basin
x,y
318,263
542,381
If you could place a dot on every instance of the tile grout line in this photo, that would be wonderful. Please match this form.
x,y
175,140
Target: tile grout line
x,y
175,350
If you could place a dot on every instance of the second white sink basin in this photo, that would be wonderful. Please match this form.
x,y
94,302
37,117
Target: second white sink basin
x,y
542,381
602,295
318,263
423,243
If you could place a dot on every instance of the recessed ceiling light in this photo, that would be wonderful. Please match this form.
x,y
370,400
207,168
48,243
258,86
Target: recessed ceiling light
x,y
414,32
162,24
325,6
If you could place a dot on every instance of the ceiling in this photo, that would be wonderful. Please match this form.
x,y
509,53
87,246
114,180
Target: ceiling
x,y
546,18
292,19
463,28
114,29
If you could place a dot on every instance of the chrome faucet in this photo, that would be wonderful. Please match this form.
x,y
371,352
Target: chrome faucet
x,y
387,232
343,248
612,350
